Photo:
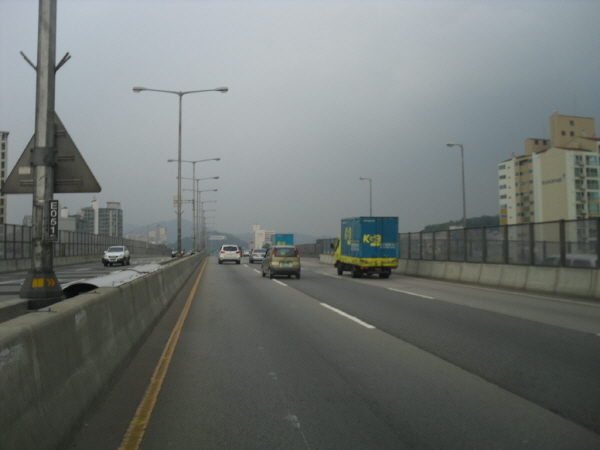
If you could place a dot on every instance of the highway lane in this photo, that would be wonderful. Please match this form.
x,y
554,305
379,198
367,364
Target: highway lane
x,y
10,283
329,362
264,364
542,349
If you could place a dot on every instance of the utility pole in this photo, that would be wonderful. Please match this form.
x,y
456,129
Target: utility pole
x,y
41,286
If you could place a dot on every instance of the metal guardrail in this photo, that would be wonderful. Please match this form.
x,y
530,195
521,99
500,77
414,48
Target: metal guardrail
x,y
572,243
15,243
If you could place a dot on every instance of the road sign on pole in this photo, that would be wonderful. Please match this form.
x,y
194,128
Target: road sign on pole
x,y
71,173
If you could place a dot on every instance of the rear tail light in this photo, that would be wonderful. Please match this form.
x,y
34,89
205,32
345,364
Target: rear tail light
x,y
222,251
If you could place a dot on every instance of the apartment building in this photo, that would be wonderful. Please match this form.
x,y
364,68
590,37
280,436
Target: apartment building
x,y
3,161
557,177
260,237
104,221
157,236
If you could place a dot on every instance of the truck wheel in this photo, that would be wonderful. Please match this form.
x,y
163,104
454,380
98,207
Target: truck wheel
x,y
340,269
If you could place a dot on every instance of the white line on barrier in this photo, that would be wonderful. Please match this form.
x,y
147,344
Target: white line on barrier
x,y
348,316
411,293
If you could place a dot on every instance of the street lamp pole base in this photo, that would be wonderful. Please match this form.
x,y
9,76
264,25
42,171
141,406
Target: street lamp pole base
x,y
41,289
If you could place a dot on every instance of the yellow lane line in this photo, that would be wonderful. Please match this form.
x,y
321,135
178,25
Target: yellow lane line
x,y
135,433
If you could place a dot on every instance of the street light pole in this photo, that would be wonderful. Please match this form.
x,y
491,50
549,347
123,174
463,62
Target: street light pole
x,y
137,90
195,224
370,195
462,158
201,213
200,210
195,200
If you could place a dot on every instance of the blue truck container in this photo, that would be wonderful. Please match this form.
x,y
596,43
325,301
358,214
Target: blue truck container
x,y
368,245
283,239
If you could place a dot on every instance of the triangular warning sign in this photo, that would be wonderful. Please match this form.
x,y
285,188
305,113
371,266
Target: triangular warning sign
x,y
71,173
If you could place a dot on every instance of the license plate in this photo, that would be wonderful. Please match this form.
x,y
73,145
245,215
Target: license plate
x,y
286,264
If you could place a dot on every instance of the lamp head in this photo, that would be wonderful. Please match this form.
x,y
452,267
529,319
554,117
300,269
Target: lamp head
x,y
222,89
138,89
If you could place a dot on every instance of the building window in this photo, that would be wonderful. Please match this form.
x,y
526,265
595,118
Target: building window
x,y
592,184
593,196
593,208
503,186
502,167
563,133
503,196
578,159
502,177
572,133
592,160
572,122
591,172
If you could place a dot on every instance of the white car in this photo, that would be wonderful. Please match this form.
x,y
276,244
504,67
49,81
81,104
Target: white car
x,y
230,252
116,254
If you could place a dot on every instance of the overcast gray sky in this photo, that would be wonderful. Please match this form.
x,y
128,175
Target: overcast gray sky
x,y
320,94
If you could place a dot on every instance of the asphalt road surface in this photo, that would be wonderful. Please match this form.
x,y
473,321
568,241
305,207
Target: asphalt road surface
x,y
329,362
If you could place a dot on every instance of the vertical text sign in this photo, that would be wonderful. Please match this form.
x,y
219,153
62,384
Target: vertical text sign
x,y
53,224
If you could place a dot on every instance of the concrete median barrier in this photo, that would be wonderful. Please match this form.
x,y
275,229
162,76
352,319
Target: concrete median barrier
x,y
551,280
56,362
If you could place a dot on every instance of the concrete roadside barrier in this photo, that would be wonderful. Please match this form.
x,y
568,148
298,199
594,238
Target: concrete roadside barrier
x,y
54,363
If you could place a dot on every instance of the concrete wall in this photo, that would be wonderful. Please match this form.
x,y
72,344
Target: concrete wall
x,y
550,280
53,365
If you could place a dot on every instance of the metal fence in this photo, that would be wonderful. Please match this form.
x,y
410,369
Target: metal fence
x,y
15,243
572,243
321,247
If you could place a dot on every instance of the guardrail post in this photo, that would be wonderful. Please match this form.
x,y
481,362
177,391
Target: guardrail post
x,y
598,242
531,244
563,243
505,245
464,243
484,245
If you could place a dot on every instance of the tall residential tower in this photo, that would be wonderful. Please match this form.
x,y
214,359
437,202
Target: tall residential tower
x,y
556,178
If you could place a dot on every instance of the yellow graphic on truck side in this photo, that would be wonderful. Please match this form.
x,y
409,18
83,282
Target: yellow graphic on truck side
x,y
374,240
